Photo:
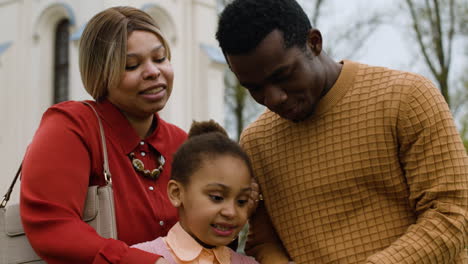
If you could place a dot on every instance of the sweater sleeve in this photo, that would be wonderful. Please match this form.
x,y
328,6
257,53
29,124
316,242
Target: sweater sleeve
x,y
263,242
54,184
435,165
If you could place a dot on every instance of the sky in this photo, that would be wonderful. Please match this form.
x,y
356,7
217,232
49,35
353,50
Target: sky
x,y
387,46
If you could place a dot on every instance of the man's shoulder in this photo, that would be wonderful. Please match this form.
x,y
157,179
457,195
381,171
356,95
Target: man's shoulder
x,y
263,127
264,122
388,74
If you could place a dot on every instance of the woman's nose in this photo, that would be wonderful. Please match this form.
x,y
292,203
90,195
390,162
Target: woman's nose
x,y
151,71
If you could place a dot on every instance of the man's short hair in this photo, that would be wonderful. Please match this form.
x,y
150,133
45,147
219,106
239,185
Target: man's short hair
x,y
243,24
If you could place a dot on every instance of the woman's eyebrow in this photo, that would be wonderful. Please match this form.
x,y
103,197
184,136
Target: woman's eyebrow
x,y
153,50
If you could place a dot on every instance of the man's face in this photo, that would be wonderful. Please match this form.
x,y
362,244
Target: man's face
x,y
289,81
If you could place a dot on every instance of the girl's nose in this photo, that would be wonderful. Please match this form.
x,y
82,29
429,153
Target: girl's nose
x,y
229,210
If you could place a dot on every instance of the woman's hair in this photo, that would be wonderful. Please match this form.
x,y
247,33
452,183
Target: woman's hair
x,y
103,47
207,141
243,24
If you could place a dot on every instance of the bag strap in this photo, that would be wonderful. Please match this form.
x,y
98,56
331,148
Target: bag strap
x,y
107,174
6,197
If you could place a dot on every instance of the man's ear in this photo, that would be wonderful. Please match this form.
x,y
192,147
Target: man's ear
x,y
175,192
314,41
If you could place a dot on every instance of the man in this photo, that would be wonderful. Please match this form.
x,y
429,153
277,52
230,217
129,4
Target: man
x,y
356,164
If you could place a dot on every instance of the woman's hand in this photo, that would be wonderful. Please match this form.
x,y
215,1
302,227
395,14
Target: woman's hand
x,y
161,260
254,197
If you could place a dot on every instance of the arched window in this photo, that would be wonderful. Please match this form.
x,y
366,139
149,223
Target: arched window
x,y
61,61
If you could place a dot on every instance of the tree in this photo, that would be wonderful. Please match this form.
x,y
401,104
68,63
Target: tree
x,y
240,106
434,24
437,25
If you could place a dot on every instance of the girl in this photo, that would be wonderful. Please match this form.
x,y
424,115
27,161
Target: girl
x,y
210,186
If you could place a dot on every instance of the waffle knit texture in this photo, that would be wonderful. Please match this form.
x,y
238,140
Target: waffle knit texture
x,y
377,175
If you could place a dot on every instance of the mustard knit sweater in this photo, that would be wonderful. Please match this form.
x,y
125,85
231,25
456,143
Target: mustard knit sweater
x,y
377,175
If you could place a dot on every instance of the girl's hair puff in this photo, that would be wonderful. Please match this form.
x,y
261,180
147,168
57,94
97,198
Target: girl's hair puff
x,y
207,140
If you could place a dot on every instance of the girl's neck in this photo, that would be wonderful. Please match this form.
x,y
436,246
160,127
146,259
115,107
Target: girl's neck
x,y
203,244
195,237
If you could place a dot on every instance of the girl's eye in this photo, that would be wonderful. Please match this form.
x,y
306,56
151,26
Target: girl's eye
x,y
242,202
216,198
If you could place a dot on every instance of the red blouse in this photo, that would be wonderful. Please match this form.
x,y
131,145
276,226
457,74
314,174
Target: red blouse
x,y
65,151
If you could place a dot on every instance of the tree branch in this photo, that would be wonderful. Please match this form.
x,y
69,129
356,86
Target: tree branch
x,y
419,37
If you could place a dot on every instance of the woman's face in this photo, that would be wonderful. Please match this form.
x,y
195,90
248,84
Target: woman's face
x,y
146,83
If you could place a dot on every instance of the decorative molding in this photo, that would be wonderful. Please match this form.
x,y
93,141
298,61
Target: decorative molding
x,y
77,34
163,20
51,15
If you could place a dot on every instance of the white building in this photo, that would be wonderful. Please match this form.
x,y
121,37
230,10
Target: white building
x,y
30,79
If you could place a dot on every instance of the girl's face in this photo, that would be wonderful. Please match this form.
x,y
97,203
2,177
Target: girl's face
x,y
213,205
146,83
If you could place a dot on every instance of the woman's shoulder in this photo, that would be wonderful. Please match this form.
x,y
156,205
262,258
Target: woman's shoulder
x,y
74,109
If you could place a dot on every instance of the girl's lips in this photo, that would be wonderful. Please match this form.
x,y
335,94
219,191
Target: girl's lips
x,y
222,230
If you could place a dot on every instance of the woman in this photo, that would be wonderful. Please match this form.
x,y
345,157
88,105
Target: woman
x,y
124,64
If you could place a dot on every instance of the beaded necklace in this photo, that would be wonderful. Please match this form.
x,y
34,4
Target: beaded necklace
x,y
139,166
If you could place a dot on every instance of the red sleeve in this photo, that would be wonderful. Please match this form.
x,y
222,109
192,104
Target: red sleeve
x,y
54,183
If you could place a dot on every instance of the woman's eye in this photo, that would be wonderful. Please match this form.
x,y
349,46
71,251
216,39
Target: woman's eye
x,y
130,67
216,198
160,60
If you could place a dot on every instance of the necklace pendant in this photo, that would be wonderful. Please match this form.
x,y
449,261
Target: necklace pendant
x,y
138,164
155,174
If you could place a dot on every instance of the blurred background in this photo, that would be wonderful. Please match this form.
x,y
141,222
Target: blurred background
x,y
39,57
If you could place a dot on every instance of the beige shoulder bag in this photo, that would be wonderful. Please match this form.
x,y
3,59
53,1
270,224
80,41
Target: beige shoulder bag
x,y
98,213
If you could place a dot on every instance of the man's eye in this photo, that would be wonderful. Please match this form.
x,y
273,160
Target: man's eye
x,y
281,78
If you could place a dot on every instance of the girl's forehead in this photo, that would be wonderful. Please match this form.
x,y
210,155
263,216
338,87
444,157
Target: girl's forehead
x,y
226,171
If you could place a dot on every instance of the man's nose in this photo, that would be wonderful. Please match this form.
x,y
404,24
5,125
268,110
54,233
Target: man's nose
x,y
273,96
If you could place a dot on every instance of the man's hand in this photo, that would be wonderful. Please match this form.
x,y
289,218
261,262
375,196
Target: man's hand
x,y
161,260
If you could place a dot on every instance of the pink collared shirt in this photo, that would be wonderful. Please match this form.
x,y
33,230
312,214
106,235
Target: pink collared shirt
x,y
178,247
185,249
